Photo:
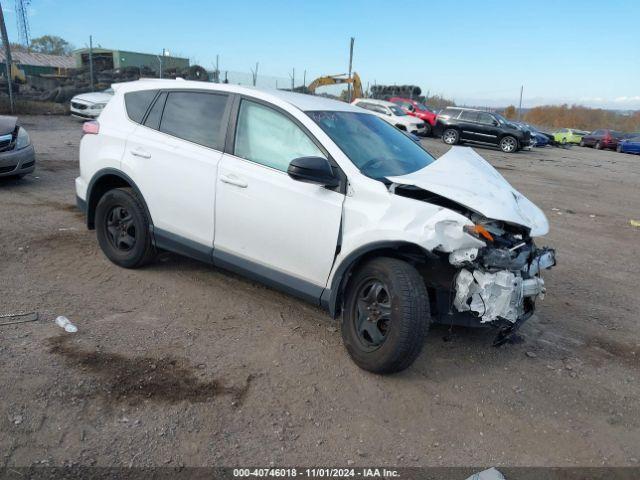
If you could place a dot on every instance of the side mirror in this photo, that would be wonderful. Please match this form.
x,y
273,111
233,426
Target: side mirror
x,y
411,109
313,170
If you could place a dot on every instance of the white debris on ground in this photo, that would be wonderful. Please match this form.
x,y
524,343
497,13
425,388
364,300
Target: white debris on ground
x,y
489,474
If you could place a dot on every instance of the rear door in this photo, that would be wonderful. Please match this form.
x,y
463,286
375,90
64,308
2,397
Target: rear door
x,y
173,157
268,225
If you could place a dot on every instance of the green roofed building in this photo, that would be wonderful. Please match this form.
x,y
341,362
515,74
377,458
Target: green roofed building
x,y
105,59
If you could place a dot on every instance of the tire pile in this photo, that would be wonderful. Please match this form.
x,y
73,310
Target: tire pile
x,y
80,82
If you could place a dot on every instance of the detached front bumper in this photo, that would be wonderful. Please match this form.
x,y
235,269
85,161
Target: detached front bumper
x,y
503,288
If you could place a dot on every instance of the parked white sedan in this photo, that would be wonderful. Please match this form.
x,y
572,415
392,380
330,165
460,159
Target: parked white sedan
x,y
393,114
89,105
318,198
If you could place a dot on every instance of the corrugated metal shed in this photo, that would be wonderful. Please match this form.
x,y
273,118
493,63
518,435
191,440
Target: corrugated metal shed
x,y
40,59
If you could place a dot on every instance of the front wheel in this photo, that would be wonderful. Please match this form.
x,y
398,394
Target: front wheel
x,y
508,144
450,136
386,315
598,146
122,228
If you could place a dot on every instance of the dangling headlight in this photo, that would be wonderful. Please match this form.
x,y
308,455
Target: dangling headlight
x,y
23,139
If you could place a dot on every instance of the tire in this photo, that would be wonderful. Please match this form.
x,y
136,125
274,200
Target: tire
x,y
451,136
122,228
619,148
597,146
427,130
508,144
392,291
564,141
581,143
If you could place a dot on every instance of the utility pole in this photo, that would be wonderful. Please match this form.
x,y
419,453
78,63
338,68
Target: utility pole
x,y
91,60
293,79
349,89
160,62
7,60
254,74
304,79
520,106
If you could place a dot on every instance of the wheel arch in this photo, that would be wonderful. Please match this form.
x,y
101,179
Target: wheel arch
x,y
103,181
332,297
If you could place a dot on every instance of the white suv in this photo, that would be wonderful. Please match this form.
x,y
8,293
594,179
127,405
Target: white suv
x,y
393,114
318,198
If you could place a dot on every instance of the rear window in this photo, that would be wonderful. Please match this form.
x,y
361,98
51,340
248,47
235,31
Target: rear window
x,y
450,112
137,103
196,117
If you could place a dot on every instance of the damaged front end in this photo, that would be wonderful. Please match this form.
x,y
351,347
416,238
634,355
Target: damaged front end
x,y
499,283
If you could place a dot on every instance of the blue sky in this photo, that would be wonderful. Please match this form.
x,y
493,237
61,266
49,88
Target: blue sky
x,y
476,52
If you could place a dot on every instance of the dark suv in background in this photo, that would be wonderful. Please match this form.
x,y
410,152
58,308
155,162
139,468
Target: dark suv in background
x,y
458,125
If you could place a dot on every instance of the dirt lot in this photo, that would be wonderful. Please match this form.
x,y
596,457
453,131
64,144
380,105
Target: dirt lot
x,y
183,364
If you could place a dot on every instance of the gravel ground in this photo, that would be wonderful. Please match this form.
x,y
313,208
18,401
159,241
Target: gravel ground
x,y
183,364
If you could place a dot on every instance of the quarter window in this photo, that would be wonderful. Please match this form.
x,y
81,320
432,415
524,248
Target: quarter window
x,y
137,103
269,138
196,117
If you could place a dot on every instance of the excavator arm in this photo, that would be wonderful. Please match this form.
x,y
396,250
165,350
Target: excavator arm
x,y
338,80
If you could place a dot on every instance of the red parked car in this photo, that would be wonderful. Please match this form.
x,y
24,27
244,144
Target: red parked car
x,y
602,138
417,109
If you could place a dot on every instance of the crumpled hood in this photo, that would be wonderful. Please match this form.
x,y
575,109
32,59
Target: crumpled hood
x,y
93,97
7,124
465,177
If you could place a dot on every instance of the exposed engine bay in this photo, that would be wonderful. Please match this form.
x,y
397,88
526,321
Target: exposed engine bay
x,y
503,279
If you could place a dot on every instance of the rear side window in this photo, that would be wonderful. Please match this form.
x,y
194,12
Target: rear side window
x,y
196,117
138,102
269,138
469,116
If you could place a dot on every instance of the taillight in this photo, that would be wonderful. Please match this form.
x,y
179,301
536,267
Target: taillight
x,y
92,127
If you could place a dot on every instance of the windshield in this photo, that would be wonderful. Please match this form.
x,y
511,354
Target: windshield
x,y
377,148
397,111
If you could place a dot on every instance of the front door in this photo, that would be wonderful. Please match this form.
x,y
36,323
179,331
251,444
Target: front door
x,y
268,225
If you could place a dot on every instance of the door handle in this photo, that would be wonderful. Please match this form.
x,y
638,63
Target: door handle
x,y
233,180
138,152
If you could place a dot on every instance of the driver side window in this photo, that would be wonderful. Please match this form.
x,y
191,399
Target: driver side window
x,y
267,137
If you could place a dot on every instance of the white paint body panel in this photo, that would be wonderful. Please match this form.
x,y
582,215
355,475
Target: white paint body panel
x,y
266,217
177,179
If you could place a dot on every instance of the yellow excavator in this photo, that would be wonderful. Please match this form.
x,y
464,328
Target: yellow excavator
x,y
337,80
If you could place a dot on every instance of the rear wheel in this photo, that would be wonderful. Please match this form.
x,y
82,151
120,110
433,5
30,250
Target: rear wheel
x,y
122,228
450,136
598,146
508,144
386,315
